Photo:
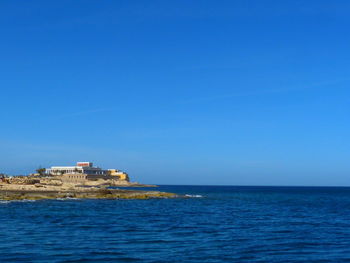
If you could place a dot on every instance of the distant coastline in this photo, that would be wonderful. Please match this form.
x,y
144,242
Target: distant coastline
x,y
80,181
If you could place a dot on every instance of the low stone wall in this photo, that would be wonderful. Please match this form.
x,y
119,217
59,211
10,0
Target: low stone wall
x,y
73,178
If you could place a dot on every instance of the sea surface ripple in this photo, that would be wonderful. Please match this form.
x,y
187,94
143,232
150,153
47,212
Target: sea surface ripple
x,y
215,224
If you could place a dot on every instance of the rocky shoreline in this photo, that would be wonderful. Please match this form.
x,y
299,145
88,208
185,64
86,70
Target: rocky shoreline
x,y
93,193
73,186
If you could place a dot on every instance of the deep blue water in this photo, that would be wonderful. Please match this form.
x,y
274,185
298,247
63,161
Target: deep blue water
x,y
227,224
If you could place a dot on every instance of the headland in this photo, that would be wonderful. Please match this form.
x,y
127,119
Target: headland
x,y
83,181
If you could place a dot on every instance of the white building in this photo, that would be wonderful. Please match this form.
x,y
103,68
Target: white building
x,y
80,168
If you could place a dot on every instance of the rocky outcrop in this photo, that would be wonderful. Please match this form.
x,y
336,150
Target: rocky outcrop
x,y
35,188
82,194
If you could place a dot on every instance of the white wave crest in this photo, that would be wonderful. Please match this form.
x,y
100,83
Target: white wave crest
x,y
194,196
16,201
67,198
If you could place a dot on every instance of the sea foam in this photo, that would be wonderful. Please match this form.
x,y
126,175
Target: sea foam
x,y
194,196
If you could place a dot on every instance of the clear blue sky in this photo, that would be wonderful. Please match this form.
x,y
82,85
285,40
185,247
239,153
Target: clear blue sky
x,y
178,92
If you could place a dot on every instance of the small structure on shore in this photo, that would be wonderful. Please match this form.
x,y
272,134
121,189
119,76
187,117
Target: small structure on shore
x,y
80,167
84,172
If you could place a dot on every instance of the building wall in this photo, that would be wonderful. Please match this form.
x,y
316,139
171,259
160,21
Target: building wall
x,y
121,175
59,170
94,177
82,178
76,170
94,171
73,178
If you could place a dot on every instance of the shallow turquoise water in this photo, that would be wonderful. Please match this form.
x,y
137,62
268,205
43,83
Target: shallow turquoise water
x,y
226,224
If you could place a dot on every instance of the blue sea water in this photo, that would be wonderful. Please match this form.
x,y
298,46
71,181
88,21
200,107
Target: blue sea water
x,y
216,224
